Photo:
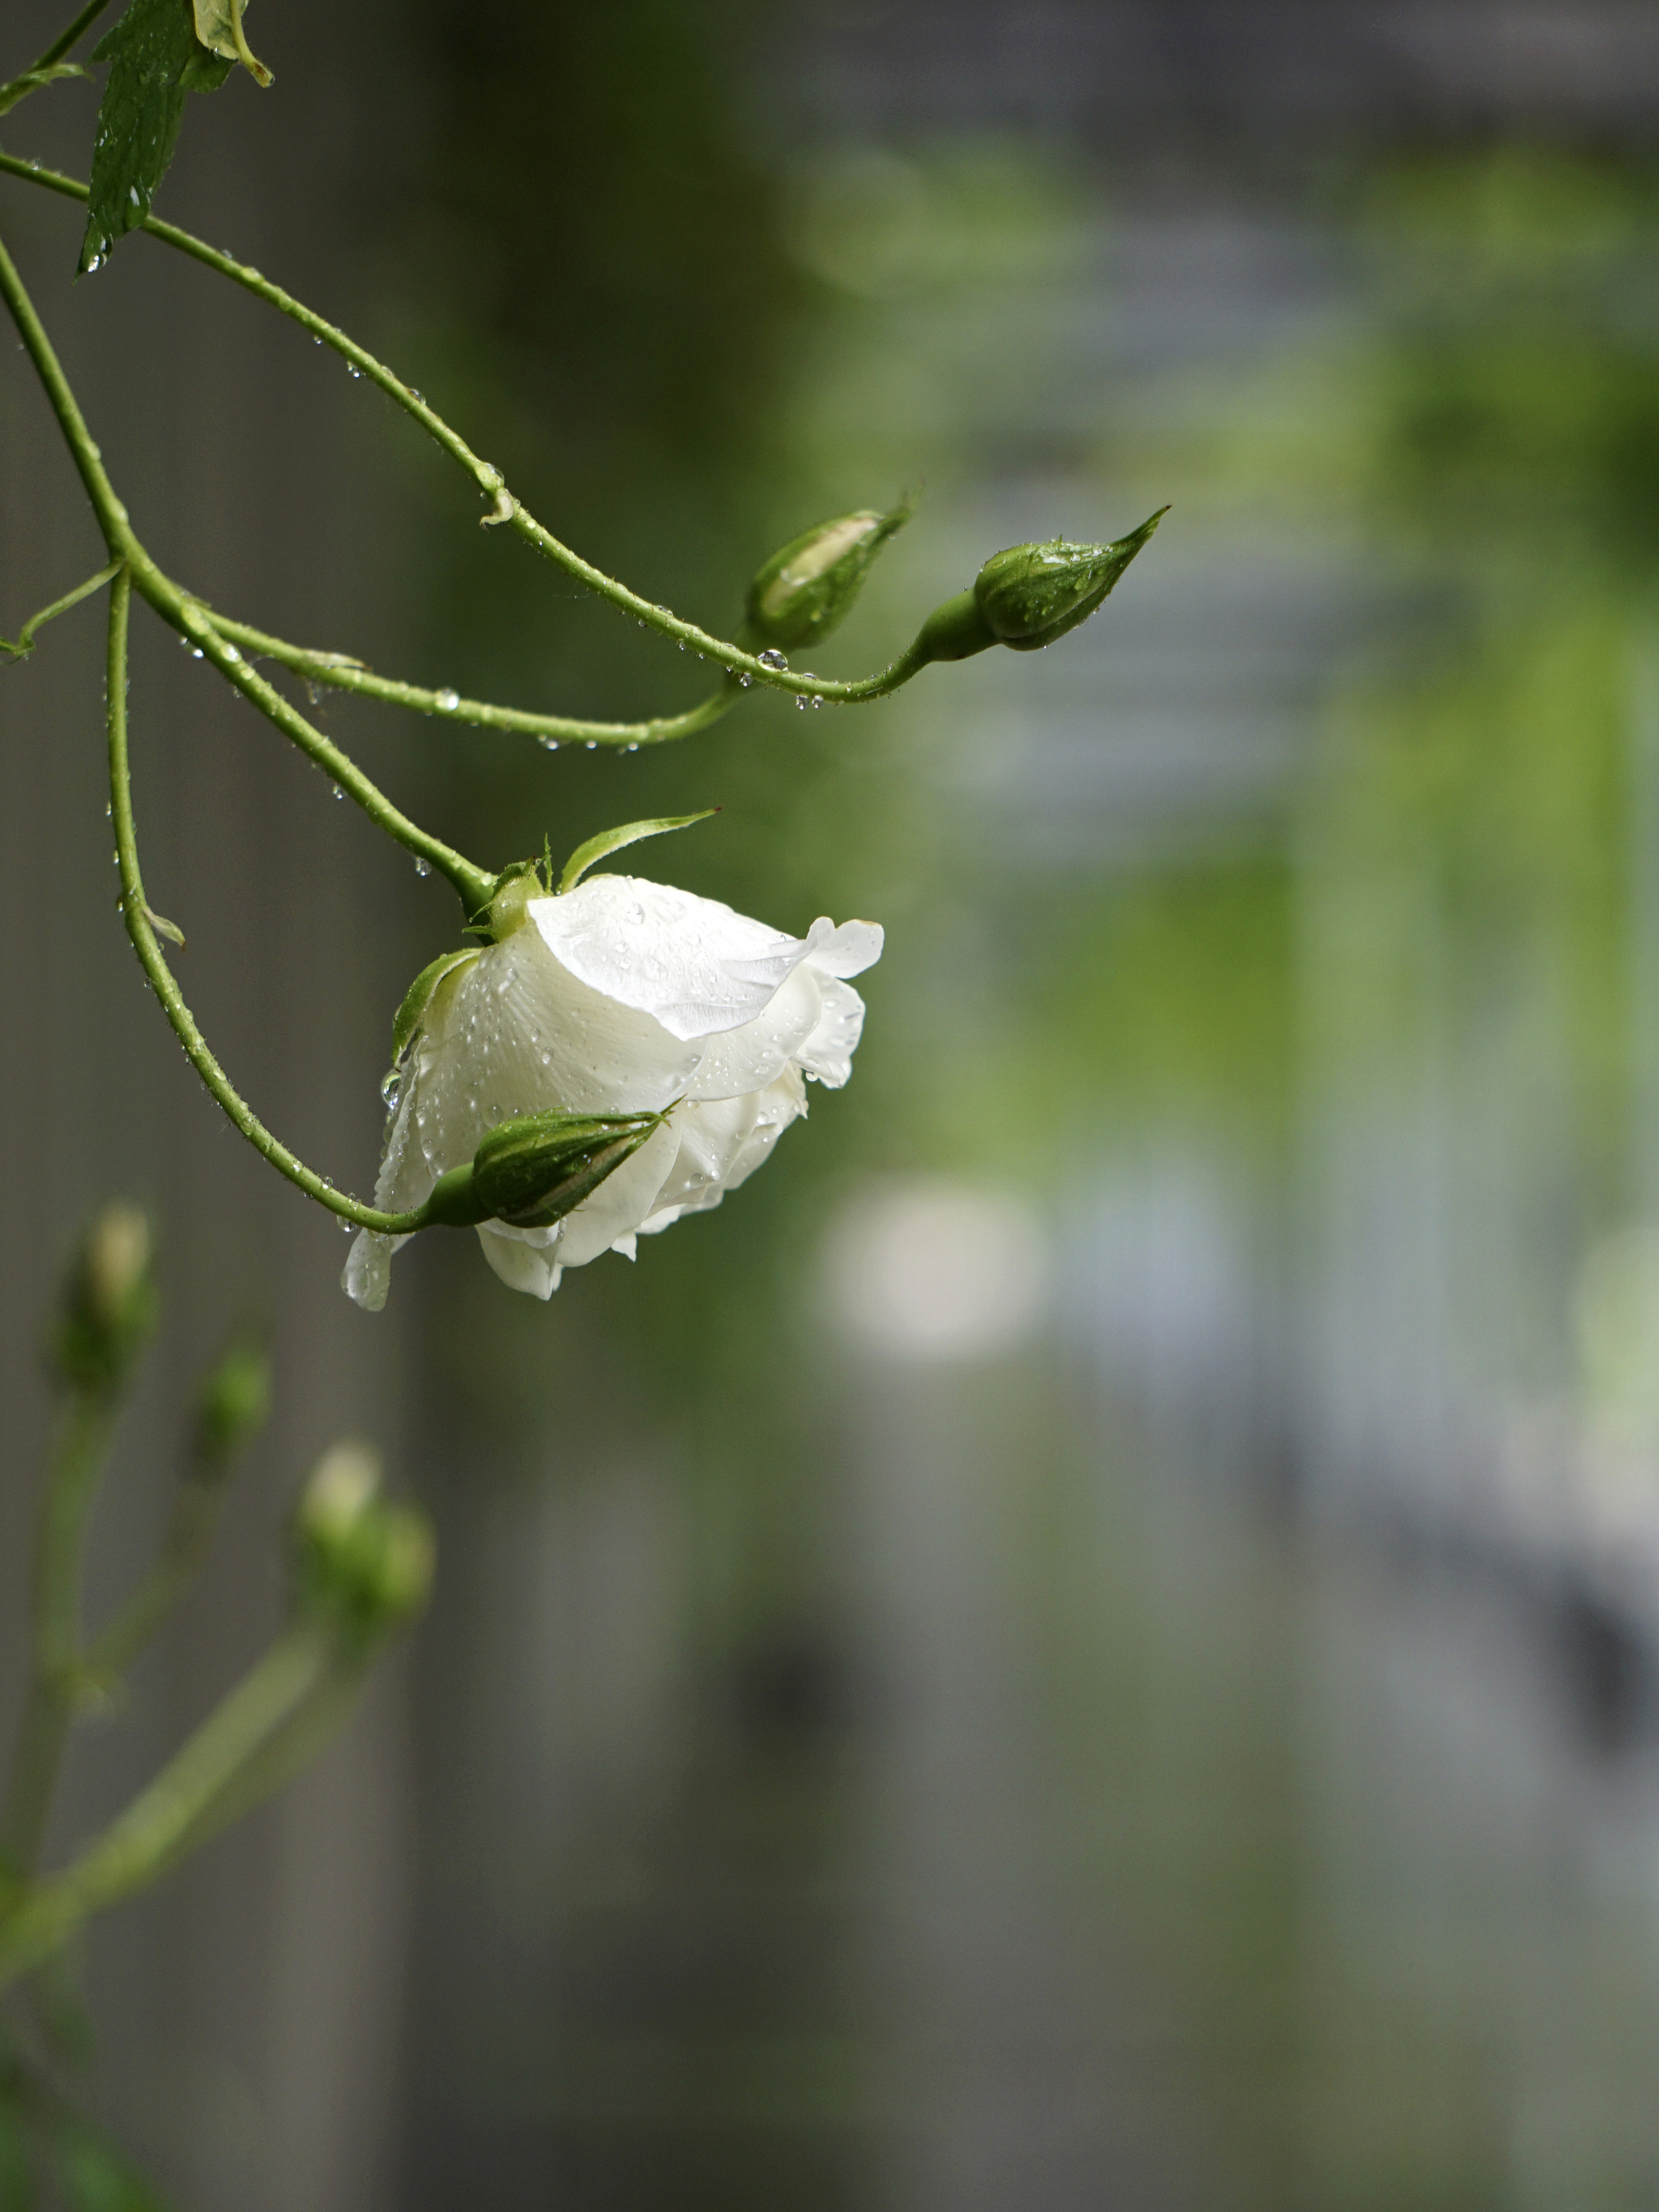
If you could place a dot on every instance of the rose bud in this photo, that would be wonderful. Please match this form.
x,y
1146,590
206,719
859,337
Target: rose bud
x,y
802,592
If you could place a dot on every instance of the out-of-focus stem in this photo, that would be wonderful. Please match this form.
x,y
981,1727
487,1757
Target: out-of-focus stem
x,y
78,1462
165,1819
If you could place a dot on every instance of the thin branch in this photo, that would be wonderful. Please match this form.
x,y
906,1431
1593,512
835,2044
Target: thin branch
x,y
505,507
62,44
340,671
72,1479
196,1511
177,608
165,1819
22,645
135,911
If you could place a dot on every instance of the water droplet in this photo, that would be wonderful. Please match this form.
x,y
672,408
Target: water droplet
x,y
592,744
772,658
231,653
634,748
338,794
196,653
801,703
746,679
352,369
421,867
448,699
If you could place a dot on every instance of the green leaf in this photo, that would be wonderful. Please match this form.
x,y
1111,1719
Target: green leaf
x,y
613,841
155,59
418,997
219,25
31,80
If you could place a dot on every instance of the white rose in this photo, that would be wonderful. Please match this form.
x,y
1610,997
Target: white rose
x,y
620,996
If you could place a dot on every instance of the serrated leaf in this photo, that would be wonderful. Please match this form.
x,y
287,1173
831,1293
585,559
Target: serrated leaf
x,y
613,841
155,59
219,25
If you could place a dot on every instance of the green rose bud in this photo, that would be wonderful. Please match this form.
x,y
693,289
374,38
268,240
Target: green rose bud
x,y
531,1171
1029,596
363,1564
108,1307
1032,594
233,1404
802,592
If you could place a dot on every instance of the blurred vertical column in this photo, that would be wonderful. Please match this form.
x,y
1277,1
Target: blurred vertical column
x,y
247,2014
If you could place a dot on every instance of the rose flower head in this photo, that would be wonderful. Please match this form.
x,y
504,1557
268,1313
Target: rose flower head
x,y
618,997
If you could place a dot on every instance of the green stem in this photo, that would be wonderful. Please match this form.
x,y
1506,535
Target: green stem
x,y
506,508
476,885
195,1517
22,645
345,674
71,1482
48,66
183,613
165,1819
135,910
61,45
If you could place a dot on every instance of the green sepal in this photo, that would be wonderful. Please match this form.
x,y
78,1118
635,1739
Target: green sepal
x,y
1030,595
155,59
452,1203
613,841
418,997
531,1171
808,586
953,631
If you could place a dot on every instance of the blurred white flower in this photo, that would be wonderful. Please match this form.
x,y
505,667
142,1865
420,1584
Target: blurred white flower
x,y
620,996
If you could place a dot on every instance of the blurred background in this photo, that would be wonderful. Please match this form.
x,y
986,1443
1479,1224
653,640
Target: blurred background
x,y
1089,1640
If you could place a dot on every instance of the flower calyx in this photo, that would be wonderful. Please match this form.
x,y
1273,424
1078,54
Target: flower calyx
x,y
1028,596
808,586
531,1171
363,1565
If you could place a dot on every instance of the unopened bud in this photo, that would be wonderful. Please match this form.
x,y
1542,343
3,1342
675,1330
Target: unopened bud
x,y
109,1302
363,1564
1030,595
805,589
530,1172
233,1404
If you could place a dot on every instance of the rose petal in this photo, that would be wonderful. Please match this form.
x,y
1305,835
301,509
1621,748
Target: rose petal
x,y
520,1265
746,1060
622,1201
693,962
711,1138
827,1052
